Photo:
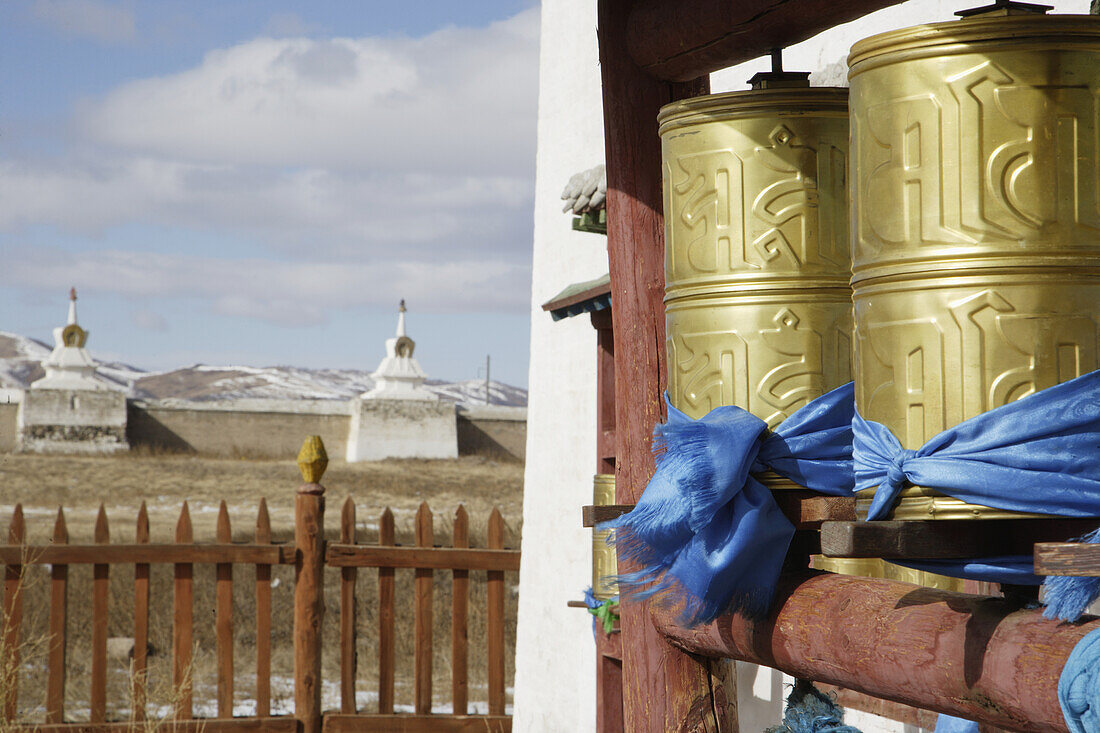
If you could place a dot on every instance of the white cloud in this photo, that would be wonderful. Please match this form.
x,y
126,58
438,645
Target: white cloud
x,y
457,100
287,293
101,21
371,169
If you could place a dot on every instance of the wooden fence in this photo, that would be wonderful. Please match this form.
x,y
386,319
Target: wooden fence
x,y
310,554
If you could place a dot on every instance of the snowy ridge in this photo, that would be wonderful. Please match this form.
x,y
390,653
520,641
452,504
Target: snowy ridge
x,y
20,364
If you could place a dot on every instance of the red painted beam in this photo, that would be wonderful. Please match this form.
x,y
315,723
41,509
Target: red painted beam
x,y
678,40
972,656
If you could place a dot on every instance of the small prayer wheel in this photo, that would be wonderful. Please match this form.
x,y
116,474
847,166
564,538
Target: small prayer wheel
x,y
976,214
604,561
757,298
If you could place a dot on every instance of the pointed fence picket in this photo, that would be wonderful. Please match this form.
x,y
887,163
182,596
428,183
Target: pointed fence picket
x,y
310,552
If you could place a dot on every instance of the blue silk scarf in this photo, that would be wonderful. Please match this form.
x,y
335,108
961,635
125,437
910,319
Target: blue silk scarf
x,y
1038,454
706,533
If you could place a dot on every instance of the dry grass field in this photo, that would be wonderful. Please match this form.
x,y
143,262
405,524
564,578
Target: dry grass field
x,y
79,484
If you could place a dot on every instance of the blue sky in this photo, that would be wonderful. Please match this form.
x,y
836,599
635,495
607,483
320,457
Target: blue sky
x,y
259,182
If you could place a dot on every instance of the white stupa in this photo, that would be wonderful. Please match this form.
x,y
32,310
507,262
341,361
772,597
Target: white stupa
x,y
399,376
400,418
71,410
69,366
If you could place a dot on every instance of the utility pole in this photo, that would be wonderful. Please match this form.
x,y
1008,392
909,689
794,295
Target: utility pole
x,y
487,379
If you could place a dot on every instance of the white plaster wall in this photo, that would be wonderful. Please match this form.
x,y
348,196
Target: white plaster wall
x,y
761,691
383,429
555,684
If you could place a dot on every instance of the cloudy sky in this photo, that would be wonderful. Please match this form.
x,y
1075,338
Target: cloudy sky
x,y
260,181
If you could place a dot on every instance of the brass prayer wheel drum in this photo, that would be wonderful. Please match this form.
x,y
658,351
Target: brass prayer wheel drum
x,y
976,216
604,560
758,305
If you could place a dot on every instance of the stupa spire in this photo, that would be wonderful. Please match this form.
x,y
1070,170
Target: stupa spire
x,y
72,307
401,319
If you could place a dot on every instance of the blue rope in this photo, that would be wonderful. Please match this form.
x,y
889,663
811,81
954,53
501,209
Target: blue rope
x,y
809,710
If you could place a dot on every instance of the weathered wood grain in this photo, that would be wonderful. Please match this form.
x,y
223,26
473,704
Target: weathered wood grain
x,y
148,553
263,616
335,723
55,659
100,594
976,657
10,645
663,689
223,618
495,619
460,604
309,604
347,613
425,558
422,618
1067,558
386,640
139,681
183,611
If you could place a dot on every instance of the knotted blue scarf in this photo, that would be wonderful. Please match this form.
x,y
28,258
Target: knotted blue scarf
x,y
705,527
1038,454
1079,686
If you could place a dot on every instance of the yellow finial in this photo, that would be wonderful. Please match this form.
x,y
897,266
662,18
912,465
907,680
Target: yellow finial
x,y
312,460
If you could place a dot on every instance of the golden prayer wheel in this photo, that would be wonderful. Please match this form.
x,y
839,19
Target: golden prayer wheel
x,y
976,215
604,561
757,299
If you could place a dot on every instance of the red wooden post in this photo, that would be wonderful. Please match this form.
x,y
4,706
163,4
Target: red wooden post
x,y
100,590
13,617
309,588
59,583
139,672
663,688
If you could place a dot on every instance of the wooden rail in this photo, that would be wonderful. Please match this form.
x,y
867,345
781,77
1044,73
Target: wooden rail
x,y
311,556
17,555
423,559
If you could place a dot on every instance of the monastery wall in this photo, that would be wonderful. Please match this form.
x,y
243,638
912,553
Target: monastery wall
x,y
9,427
275,428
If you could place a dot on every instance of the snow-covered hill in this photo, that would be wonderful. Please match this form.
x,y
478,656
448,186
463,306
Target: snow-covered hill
x,y
20,359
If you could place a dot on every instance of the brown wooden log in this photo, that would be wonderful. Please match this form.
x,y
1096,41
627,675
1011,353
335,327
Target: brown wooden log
x,y
495,622
422,618
223,618
460,604
55,659
335,723
386,640
139,676
100,593
680,40
183,611
263,617
663,689
13,617
347,613
424,558
309,604
976,657
148,553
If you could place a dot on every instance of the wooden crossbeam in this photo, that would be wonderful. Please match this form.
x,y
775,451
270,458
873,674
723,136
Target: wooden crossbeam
x,y
678,40
945,539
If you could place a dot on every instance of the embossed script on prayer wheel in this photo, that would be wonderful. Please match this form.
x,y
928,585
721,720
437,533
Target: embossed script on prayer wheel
x,y
976,215
757,265
604,560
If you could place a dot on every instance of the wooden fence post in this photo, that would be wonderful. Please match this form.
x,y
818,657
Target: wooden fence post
x,y
309,586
